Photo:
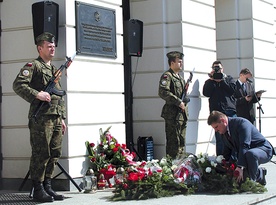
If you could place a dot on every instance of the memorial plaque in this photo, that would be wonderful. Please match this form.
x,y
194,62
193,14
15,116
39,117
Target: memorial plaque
x,y
96,30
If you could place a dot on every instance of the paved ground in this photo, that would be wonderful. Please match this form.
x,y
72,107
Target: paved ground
x,y
102,197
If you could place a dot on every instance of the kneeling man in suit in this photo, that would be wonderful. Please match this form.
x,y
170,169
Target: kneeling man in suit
x,y
241,137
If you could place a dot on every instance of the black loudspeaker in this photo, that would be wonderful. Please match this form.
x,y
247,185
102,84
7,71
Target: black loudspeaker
x,y
45,18
145,147
134,35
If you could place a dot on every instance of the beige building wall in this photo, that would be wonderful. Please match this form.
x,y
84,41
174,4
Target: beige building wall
x,y
246,39
94,86
186,26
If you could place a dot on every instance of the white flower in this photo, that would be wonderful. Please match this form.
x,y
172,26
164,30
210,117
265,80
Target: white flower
x,y
139,163
174,167
202,160
154,161
214,164
178,180
208,169
219,158
163,162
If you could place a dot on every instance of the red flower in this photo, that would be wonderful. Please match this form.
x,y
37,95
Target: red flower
x,y
150,172
135,176
132,176
143,163
125,186
110,173
117,181
93,159
123,146
92,144
103,170
232,166
236,173
115,149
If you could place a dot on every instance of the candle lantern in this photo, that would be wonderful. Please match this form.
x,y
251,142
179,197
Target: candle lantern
x,y
101,182
89,182
119,177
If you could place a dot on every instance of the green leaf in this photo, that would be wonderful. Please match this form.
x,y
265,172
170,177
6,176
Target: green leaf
x,y
87,144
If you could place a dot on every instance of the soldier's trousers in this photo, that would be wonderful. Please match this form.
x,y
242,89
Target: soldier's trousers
x,y
175,137
46,140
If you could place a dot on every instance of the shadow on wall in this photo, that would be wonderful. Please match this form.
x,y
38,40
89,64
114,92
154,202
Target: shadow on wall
x,y
193,123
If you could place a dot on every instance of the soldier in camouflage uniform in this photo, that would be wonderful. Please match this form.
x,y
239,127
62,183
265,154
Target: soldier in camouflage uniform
x,y
47,128
175,112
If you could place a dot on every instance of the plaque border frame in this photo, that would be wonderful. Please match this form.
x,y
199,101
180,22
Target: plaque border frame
x,y
78,37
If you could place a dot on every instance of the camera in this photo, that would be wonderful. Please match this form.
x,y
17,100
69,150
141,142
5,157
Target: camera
x,y
217,75
216,69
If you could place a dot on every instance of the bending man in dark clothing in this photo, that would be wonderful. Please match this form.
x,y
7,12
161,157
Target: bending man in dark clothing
x,y
241,137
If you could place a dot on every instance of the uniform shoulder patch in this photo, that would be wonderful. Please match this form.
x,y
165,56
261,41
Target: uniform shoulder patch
x,y
165,79
26,72
164,82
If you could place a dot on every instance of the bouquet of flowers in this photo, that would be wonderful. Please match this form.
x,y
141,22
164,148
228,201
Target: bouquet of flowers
x,y
152,179
187,170
135,180
108,154
219,176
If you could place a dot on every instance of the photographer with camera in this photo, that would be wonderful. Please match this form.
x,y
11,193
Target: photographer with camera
x,y
220,89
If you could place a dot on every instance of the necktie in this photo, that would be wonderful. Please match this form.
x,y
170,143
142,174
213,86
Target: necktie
x,y
228,137
244,88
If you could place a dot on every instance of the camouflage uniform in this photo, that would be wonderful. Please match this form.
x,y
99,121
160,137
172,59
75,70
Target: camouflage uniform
x,y
46,129
171,90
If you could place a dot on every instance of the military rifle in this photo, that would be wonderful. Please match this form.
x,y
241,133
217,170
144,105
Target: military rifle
x,y
50,87
186,87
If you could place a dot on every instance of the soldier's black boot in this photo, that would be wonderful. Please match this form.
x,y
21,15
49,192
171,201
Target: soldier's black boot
x,y
48,188
40,194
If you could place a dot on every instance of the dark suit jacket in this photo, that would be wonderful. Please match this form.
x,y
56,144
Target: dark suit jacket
x,y
244,136
221,95
245,109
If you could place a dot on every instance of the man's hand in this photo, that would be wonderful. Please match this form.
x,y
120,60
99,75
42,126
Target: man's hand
x,y
63,127
248,98
259,95
211,76
43,96
182,106
240,176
